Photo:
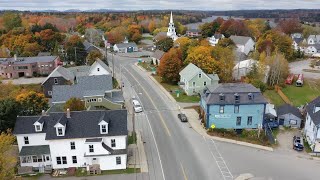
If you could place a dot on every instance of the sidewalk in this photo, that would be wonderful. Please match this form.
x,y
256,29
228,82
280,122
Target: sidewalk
x,y
137,156
194,122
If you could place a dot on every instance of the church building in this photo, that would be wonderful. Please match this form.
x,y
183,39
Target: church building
x,y
172,30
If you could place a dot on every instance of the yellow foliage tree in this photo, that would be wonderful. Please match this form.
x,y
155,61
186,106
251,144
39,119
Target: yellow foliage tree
x,y
32,103
7,157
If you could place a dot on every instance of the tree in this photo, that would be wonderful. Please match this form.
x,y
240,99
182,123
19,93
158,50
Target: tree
x,y
183,43
74,104
226,59
165,44
9,110
170,66
201,56
31,49
279,69
226,42
290,26
209,29
11,20
135,33
93,56
152,26
7,157
75,50
32,103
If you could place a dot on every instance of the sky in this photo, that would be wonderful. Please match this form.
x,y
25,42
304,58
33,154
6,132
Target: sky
x,y
158,4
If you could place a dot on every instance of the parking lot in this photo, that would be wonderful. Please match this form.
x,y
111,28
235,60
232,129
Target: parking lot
x,y
298,66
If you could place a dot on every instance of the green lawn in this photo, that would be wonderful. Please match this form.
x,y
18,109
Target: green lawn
x,y
172,88
273,97
132,139
301,95
146,65
80,172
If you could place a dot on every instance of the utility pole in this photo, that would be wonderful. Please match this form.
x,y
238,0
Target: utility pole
x,y
75,54
112,67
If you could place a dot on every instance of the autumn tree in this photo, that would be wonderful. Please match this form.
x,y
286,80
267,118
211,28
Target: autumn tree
x,y
170,66
201,56
234,27
74,104
209,29
32,103
93,56
165,44
226,58
31,49
75,50
8,159
48,38
152,26
9,110
226,42
135,33
279,69
11,20
93,36
290,26
183,43
4,52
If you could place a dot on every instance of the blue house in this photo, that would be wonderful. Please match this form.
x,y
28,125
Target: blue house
x,y
233,106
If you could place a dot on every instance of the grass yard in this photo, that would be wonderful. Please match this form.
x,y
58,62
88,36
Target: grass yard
x,y
301,95
273,97
172,88
80,172
146,65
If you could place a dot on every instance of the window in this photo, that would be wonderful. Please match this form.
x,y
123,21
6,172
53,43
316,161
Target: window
x,y
238,121
98,69
236,97
38,128
58,160
50,93
34,159
60,133
221,97
26,140
64,160
74,160
236,109
103,128
205,83
55,81
200,75
47,158
113,143
193,83
249,122
250,96
221,109
73,145
293,122
39,158
118,160
99,99
91,148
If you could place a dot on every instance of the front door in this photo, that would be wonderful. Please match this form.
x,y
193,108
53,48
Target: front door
x,y
281,122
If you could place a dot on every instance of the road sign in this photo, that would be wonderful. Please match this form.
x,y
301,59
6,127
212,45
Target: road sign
x,y
213,126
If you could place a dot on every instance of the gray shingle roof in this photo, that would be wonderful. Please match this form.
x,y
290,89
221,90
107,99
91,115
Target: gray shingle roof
x,y
61,72
297,40
212,94
117,96
189,71
82,124
158,54
28,60
114,151
80,70
126,45
85,86
315,116
287,108
194,30
94,140
240,39
34,150
218,36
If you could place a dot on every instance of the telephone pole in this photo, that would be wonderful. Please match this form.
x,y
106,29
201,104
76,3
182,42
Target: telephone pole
x,y
75,54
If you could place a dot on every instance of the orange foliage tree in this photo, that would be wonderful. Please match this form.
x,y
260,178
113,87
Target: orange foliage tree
x,y
170,65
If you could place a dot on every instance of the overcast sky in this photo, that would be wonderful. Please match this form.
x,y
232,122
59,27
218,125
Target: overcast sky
x,y
158,4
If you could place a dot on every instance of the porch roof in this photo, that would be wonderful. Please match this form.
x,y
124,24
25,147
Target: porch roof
x,y
34,150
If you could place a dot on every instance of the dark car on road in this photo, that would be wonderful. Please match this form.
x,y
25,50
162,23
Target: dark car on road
x,y
182,117
297,143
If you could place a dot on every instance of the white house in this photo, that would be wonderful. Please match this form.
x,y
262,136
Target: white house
x,y
313,39
172,30
312,49
244,44
99,68
215,39
125,47
243,68
73,139
312,125
193,80
296,43
156,57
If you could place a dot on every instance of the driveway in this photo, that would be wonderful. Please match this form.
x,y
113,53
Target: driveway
x,y
18,81
298,66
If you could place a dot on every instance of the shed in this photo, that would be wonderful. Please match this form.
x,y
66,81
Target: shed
x,y
289,116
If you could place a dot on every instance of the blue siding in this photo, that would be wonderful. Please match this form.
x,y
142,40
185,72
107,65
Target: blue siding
x,y
228,119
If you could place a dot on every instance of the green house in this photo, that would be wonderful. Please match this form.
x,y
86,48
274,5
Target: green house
x,y
193,80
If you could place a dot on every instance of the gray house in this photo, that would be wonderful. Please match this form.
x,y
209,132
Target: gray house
x,y
156,57
193,80
289,116
125,47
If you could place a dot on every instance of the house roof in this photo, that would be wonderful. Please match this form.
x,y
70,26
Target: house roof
x,y
297,40
211,94
218,36
245,64
117,96
114,151
316,46
102,64
60,72
214,77
190,71
84,86
158,54
287,108
80,70
270,110
316,38
34,150
242,40
28,60
88,45
194,30
315,116
82,124
160,35
126,45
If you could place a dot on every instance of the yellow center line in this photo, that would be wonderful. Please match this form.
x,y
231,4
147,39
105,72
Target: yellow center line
x,y
161,117
183,172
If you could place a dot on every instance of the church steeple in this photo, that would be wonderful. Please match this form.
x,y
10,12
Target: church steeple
x,y
171,18
171,29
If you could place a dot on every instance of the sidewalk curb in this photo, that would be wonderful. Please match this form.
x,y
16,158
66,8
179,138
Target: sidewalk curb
x,y
142,153
136,64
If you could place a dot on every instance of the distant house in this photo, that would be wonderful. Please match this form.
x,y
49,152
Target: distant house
x,y
193,80
244,44
44,54
99,68
88,139
16,67
159,36
233,106
289,116
89,47
215,39
125,47
312,49
193,33
312,125
313,39
296,35
297,43
156,57
243,68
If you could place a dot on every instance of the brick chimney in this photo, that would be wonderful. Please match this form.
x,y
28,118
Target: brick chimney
x,y
68,113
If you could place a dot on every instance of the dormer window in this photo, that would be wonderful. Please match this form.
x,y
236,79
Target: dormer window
x,y
60,131
236,97
250,96
38,126
221,97
103,127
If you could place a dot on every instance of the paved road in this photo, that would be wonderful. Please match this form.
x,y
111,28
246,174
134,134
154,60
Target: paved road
x,y
297,67
175,151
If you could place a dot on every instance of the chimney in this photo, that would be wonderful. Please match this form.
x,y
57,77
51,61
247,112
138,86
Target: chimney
x,y
15,57
68,113
43,113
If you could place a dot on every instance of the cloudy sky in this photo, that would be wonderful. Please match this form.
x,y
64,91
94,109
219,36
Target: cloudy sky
x,y
158,4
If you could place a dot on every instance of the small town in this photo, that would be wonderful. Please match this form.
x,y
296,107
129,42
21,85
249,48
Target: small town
x,y
159,90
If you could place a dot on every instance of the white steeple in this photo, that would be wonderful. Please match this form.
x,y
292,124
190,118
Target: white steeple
x,y
171,29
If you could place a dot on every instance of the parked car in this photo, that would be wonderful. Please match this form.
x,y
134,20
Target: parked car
x,y
137,106
297,143
182,117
